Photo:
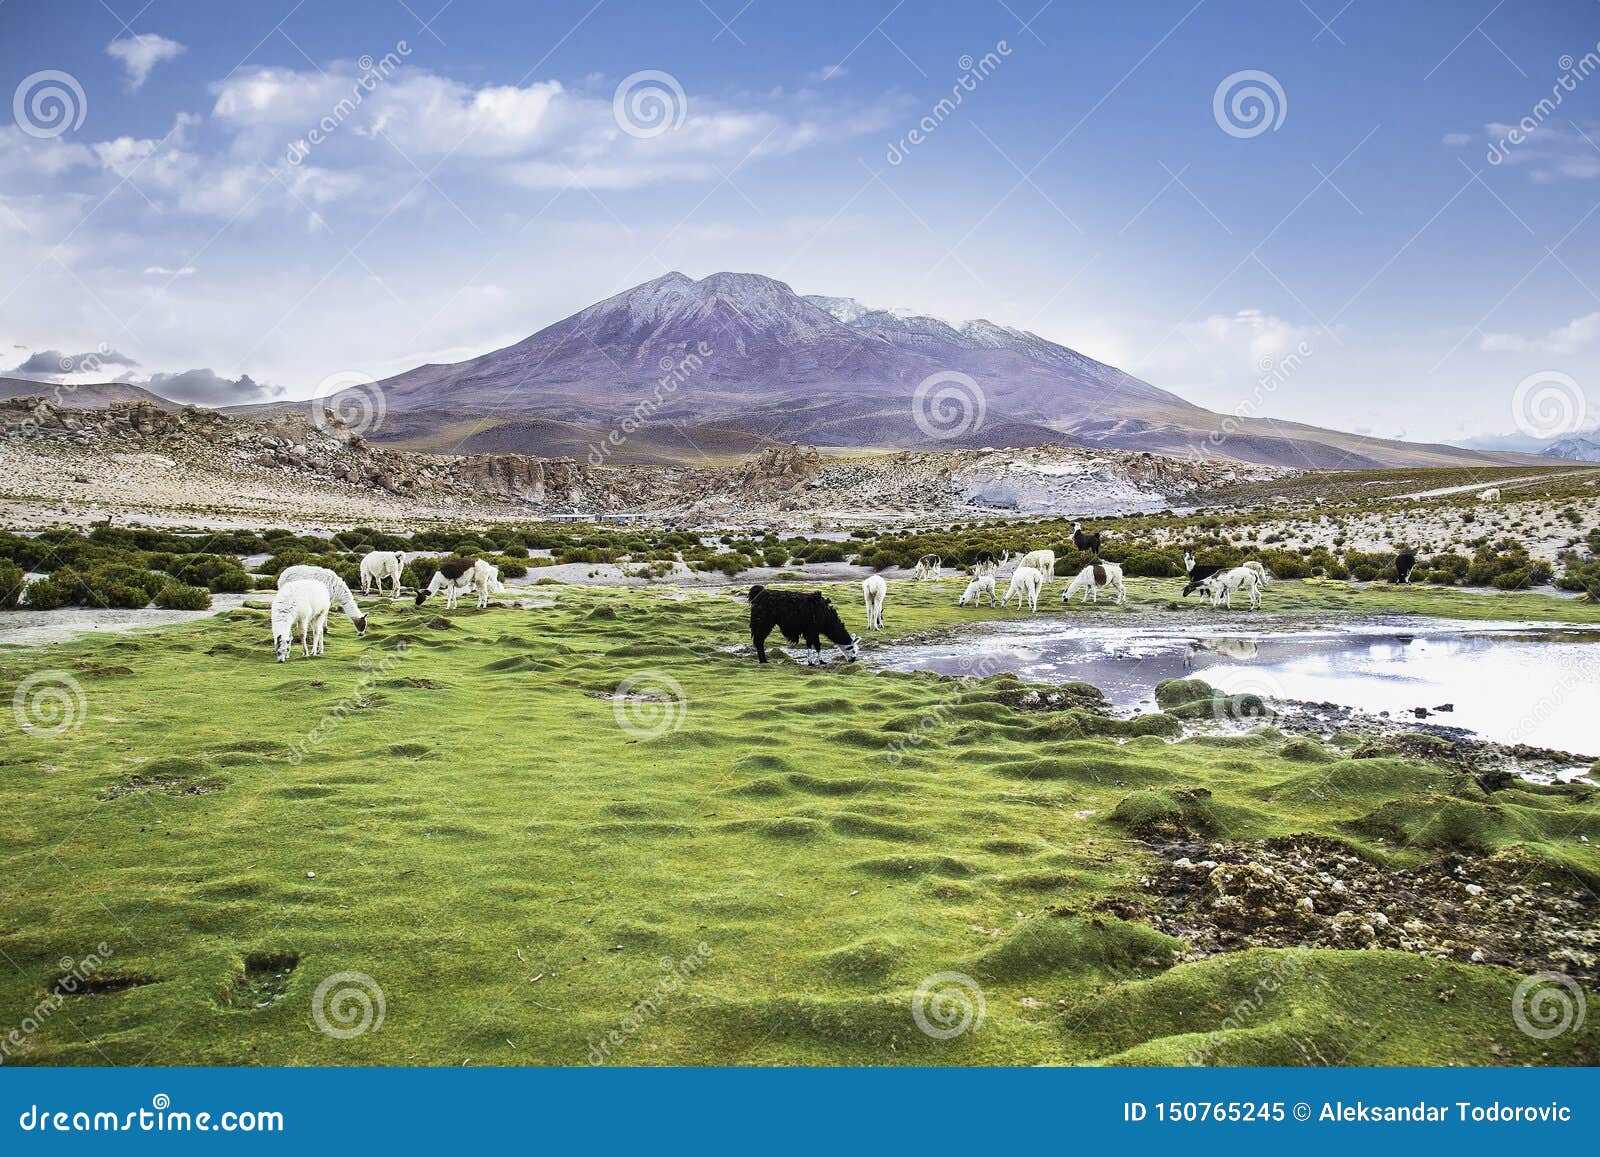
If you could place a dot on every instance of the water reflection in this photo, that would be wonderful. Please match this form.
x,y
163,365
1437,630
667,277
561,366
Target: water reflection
x,y
1509,682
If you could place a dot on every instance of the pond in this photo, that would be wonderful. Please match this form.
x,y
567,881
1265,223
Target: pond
x,y
1509,682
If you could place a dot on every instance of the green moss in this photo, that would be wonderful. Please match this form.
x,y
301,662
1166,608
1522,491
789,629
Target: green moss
x,y
486,801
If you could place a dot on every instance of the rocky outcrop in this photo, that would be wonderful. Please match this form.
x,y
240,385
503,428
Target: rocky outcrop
x,y
298,455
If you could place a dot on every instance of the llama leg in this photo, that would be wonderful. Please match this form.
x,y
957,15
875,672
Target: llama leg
x,y
758,636
814,642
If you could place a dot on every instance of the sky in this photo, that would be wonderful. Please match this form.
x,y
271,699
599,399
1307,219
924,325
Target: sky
x,y
1376,217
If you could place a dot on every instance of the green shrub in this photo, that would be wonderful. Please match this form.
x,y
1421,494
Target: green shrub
x,y
12,580
177,596
46,594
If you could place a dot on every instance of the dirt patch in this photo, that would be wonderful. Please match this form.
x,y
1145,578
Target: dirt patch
x,y
1315,892
265,980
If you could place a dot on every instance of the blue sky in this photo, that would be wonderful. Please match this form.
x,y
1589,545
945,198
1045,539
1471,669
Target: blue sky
x,y
1084,187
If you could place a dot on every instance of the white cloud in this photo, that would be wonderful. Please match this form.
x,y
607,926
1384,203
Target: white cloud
x,y
1577,334
1249,341
164,271
139,54
1456,140
541,135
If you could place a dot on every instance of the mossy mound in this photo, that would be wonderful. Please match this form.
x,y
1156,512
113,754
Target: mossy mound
x,y
1052,944
1168,813
1304,750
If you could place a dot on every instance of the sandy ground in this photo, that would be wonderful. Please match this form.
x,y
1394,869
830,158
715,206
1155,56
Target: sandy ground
x,y
25,628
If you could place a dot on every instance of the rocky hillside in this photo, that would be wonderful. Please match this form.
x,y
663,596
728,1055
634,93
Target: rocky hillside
x,y
139,459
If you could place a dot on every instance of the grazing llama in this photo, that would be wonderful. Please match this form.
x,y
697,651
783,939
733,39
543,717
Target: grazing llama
x,y
797,615
338,590
1221,587
458,574
1198,573
1490,495
984,562
928,567
874,590
302,604
1043,561
379,565
1027,581
1263,575
976,589
1092,578
1403,564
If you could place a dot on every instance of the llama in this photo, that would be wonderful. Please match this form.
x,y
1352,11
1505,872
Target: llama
x,y
976,589
1094,576
1403,562
874,590
984,562
797,615
1221,587
1083,540
379,565
1490,495
1198,573
1043,561
303,604
338,591
1027,581
928,567
458,574
1263,575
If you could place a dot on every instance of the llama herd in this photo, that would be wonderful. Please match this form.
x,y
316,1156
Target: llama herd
x,y
1031,572
307,594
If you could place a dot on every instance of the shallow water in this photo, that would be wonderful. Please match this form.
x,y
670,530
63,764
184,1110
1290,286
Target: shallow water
x,y
1510,682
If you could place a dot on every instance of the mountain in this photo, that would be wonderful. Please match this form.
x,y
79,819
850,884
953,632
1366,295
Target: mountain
x,y
89,396
732,357
1578,448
